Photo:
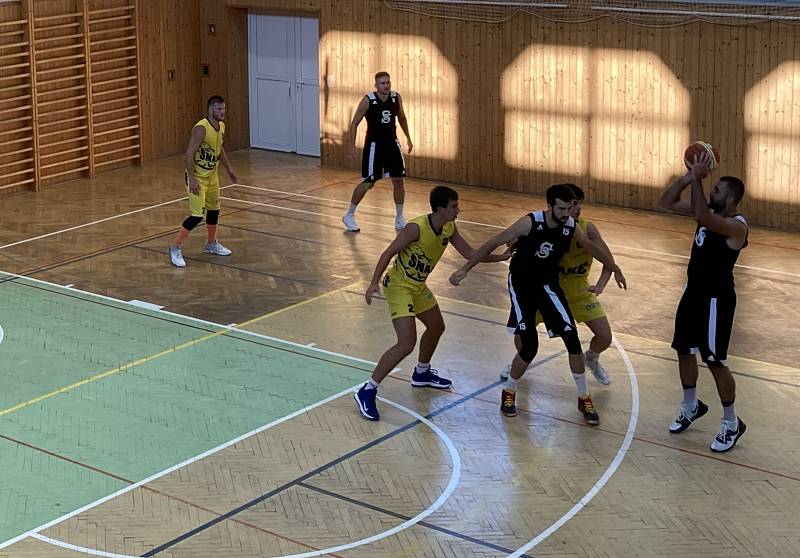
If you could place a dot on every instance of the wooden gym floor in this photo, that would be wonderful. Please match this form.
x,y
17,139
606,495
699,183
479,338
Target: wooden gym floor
x,y
137,420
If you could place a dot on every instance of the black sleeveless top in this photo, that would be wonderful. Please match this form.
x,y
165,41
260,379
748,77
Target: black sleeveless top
x,y
712,260
381,117
538,253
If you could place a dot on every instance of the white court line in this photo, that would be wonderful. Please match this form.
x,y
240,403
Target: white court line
x,y
455,477
188,318
477,223
169,470
612,468
111,218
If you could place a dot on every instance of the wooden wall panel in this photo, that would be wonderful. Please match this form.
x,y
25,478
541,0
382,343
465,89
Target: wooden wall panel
x,y
227,64
171,74
606,104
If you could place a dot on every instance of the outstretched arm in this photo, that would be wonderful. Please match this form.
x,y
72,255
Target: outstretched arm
x,y
511,234
463,247
405,237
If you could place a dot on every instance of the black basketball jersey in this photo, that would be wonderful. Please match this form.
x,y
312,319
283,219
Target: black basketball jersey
x,y
381,117
538,253
712,260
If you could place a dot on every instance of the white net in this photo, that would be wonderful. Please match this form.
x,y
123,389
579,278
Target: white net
x,y
656,13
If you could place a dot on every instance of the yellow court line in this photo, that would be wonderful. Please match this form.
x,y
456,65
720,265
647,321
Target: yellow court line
x,y
165,352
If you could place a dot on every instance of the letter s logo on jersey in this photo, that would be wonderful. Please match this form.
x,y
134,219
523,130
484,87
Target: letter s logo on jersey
x,y
386,116
544,250
700,237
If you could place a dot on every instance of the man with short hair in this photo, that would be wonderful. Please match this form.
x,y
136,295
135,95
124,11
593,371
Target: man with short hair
x,y
382,155
203,154
416,249
704,319
574,269
540,239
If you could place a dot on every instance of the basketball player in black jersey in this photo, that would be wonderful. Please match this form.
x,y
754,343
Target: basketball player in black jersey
x,y
383,155
540,239
704,318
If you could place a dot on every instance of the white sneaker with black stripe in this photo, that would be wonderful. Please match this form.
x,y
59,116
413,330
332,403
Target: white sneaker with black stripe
x,y
685,418
728,435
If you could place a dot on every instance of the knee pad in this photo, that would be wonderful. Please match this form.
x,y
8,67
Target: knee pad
x,y
572,342
212,216
191,222
530,345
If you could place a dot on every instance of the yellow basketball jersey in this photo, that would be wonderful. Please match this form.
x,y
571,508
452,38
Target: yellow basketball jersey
x,y
415,262
207,155
577,262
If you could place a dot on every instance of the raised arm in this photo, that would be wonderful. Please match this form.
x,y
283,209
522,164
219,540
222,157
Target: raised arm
x,y
671,199
405,237
510,235
733,229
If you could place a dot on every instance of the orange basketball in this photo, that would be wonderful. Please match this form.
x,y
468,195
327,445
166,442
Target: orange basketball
x,y
697,149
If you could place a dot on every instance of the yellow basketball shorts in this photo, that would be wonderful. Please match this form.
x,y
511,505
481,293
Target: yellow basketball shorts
x,y
405,299
206,198
583,305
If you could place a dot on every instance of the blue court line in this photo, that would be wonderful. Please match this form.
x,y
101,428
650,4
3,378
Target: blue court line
x,y
431,526
314,472
330,464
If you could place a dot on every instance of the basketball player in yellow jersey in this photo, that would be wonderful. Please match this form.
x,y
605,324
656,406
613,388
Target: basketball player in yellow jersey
x,y
202,180
574,268
418,248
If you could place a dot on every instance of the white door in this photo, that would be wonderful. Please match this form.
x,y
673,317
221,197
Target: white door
x,y
307,85
284,83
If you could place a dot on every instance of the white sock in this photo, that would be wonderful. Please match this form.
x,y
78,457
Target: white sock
x,y
422,367
352,210
591,355
371,384
689,402
729,414
399,207
511,384
580,382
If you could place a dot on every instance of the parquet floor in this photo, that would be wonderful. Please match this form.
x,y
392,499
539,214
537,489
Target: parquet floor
x,y
131,431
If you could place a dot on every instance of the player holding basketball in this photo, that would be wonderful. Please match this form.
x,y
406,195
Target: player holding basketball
x,y
574,269
541,239
704,318
382,155
203,154
418,248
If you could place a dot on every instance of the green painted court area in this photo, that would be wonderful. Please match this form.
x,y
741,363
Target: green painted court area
x,y
91,384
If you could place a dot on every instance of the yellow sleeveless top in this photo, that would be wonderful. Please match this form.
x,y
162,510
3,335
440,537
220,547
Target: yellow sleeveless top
x,y
207,155
577,262
414,263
